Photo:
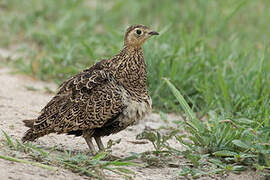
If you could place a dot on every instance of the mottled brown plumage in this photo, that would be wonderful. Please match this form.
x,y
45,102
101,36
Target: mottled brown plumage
x,y
101,100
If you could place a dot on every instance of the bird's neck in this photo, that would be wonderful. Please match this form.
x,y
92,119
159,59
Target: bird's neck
x,y
131,70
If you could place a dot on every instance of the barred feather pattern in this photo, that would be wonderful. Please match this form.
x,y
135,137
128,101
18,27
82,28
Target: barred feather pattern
x,y
106,98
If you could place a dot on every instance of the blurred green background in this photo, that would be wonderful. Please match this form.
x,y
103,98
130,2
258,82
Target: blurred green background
x,y
215,52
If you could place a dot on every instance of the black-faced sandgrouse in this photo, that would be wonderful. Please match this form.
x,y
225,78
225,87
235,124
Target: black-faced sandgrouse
x,y
101,100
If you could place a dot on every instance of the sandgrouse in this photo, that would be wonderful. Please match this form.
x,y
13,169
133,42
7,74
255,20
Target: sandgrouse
x,y
101,100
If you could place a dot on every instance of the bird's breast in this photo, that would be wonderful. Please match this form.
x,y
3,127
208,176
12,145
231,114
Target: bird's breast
x,y
135,110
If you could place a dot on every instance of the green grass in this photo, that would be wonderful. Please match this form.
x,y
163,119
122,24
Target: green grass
x,y
215,52
224,144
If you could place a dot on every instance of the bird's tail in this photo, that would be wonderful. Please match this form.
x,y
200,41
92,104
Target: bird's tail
x,y
29,134
29,122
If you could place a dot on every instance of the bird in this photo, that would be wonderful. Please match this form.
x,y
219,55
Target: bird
x,y
101,100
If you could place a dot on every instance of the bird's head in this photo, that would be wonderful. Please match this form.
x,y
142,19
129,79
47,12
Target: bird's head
x,y
136,35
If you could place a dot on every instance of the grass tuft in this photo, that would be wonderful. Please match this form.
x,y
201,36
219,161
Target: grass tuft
x,y
227,144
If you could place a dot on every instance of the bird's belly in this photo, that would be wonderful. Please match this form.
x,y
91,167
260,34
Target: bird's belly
x,y
131,115
134,112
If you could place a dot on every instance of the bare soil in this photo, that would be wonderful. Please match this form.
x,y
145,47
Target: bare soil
x,y
17,102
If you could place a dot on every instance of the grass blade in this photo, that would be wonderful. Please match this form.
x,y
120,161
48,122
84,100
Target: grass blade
x,y
241,144
181,100
195,123
28,162
80,169
9,141
224,88
44,153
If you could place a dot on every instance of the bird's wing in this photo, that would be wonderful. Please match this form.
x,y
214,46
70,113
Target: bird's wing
x,y
87,100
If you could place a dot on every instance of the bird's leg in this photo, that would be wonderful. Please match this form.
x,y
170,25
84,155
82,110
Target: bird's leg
x,y
88,138
99,143
90,145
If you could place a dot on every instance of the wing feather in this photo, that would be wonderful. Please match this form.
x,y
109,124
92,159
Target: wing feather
x,y
85,101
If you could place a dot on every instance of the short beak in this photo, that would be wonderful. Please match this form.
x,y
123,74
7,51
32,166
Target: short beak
x,y
153,33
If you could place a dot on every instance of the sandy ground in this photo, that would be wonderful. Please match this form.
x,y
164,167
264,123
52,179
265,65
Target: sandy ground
x,y
18,103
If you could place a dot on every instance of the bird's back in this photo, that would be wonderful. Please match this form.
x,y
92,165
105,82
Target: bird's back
x,y
85,101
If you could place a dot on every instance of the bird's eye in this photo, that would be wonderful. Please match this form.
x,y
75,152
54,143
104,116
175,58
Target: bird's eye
x,y
139,32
